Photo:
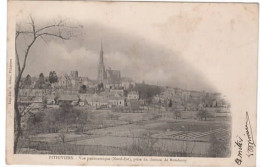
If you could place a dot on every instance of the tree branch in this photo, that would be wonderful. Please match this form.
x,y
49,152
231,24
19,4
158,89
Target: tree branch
x,y
43,39
17,56
25,32
34,34
54,35
26,110
59,24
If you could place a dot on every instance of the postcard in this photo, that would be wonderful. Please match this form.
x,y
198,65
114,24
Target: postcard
x,y
131,83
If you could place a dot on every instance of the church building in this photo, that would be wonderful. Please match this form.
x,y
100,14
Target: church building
x,y
107,76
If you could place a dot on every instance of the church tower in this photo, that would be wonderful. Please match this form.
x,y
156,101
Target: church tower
x,y
101,67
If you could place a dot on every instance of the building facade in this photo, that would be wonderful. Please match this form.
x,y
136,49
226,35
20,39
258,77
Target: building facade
x,y
107,76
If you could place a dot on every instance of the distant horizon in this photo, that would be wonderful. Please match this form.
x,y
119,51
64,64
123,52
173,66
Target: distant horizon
x,y
138,82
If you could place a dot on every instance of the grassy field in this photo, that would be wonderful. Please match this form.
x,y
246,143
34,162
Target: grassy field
x,y
143,133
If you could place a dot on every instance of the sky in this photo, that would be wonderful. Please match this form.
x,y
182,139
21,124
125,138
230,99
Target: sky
x,y
178,45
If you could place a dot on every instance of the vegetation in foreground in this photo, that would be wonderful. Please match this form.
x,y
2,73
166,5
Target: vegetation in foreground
x,y
71,120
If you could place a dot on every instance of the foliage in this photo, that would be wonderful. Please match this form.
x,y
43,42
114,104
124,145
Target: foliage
x,y
27,81
25,38
203,114
57,120
219,146
143,146
177,114
35,119
170,103
83,89
147,91
41,79
41,82
100,87
53,78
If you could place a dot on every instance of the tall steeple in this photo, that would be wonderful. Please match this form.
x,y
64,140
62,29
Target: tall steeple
x,y
101,59
101,67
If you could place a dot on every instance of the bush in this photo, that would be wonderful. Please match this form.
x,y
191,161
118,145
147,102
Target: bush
x,y
203,113
177,114
219,147
143,146
53,121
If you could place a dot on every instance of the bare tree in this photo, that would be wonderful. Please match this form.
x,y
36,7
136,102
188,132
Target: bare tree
x,y
59,30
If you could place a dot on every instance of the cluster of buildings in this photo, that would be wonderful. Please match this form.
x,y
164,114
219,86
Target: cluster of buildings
x,y
112,90
109,78
107,99
190,99
73,81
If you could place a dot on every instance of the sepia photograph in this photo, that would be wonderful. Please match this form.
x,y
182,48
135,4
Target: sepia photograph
x,y
134,83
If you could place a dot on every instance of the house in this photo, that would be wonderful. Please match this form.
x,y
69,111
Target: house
x,y
37,100
178,91
127,83
133,95
141,101
65,81
72,99
185,95
51,101
118,101
156,99
98,101
25,100
114,92
83,97
32,92
197,95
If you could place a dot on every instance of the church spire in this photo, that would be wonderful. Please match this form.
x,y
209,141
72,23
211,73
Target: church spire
x,y
101,67
101,59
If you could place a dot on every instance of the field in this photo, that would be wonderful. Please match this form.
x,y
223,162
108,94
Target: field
x,y
150,133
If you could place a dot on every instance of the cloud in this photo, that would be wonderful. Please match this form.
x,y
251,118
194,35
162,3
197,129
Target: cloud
x,y
55,56
133,56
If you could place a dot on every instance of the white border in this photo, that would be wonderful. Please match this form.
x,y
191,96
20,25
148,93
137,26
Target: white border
x,y
3,39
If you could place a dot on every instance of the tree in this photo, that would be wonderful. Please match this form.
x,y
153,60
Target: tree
x,y
83,89
147,91
31,33
27,82
177,114
82,121
100,86
203,113
41,81
53,78
219,146
149,102
68,114
36,118
170,103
